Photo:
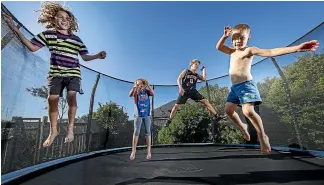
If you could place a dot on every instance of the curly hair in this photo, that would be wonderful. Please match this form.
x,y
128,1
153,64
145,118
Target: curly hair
x,y
144,81
48,12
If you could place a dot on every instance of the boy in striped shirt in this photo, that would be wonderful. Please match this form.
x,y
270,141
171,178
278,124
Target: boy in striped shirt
x,y
64,63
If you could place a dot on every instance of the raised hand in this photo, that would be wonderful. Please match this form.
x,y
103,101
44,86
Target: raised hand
x,y
308,46
227,31
148,86
102,55
10,22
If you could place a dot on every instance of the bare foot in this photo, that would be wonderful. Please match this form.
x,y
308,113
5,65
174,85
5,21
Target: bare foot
x,y
148,157
69,137
50,139
245,132
265,144
132,156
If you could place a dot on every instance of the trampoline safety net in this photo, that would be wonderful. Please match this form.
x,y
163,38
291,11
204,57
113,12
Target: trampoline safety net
x,y
291,87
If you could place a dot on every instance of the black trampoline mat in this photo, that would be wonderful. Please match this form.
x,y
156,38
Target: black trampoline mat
x,y
187,165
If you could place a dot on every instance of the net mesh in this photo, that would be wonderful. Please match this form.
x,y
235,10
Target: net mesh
x,y
291,87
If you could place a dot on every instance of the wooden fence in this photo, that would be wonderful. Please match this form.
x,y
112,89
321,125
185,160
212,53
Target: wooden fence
x,y
22,140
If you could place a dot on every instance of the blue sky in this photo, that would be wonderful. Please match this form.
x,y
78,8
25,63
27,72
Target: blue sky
x,y
156,40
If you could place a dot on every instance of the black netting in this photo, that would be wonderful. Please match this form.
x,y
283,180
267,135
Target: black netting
x,y
280,134
113,111
295,95
291,87
164,99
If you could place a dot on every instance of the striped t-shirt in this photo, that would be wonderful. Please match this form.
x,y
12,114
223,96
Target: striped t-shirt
x,y
64,52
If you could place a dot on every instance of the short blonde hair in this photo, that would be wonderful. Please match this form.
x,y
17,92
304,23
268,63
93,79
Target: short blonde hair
x,y
242,27
194,61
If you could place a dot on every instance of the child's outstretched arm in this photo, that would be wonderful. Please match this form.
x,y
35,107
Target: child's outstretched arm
x,y
100,55
220,44
306,46
21,36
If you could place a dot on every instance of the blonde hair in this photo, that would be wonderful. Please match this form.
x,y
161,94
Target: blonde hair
x,y
144,81
242,27
194,61
48,12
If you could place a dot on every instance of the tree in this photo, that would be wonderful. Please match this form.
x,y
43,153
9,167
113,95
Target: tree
x,y
84,117
192,123
218,96
42,92
306,83
111,116
265,86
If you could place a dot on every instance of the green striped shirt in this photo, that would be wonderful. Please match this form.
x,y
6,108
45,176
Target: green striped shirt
x,y
64,52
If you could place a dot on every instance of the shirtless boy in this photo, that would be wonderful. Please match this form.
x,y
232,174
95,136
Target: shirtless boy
x,y
244,90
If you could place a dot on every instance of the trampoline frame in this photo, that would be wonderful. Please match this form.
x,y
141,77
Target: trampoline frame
x,y
36,170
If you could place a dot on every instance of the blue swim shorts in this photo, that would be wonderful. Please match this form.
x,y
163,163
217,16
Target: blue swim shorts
x,y
244,92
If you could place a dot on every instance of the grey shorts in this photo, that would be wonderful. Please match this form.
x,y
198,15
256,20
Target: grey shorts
x,y
56,84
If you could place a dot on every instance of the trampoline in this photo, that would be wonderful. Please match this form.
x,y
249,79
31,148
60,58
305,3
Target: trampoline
x,y
26,163
183,164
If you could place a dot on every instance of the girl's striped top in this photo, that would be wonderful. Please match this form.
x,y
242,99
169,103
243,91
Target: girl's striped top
x,y
64,52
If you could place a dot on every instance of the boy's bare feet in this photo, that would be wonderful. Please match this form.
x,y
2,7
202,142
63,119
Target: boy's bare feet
x,y
50,139
69,135
148,157
265,144
245,132
132,156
